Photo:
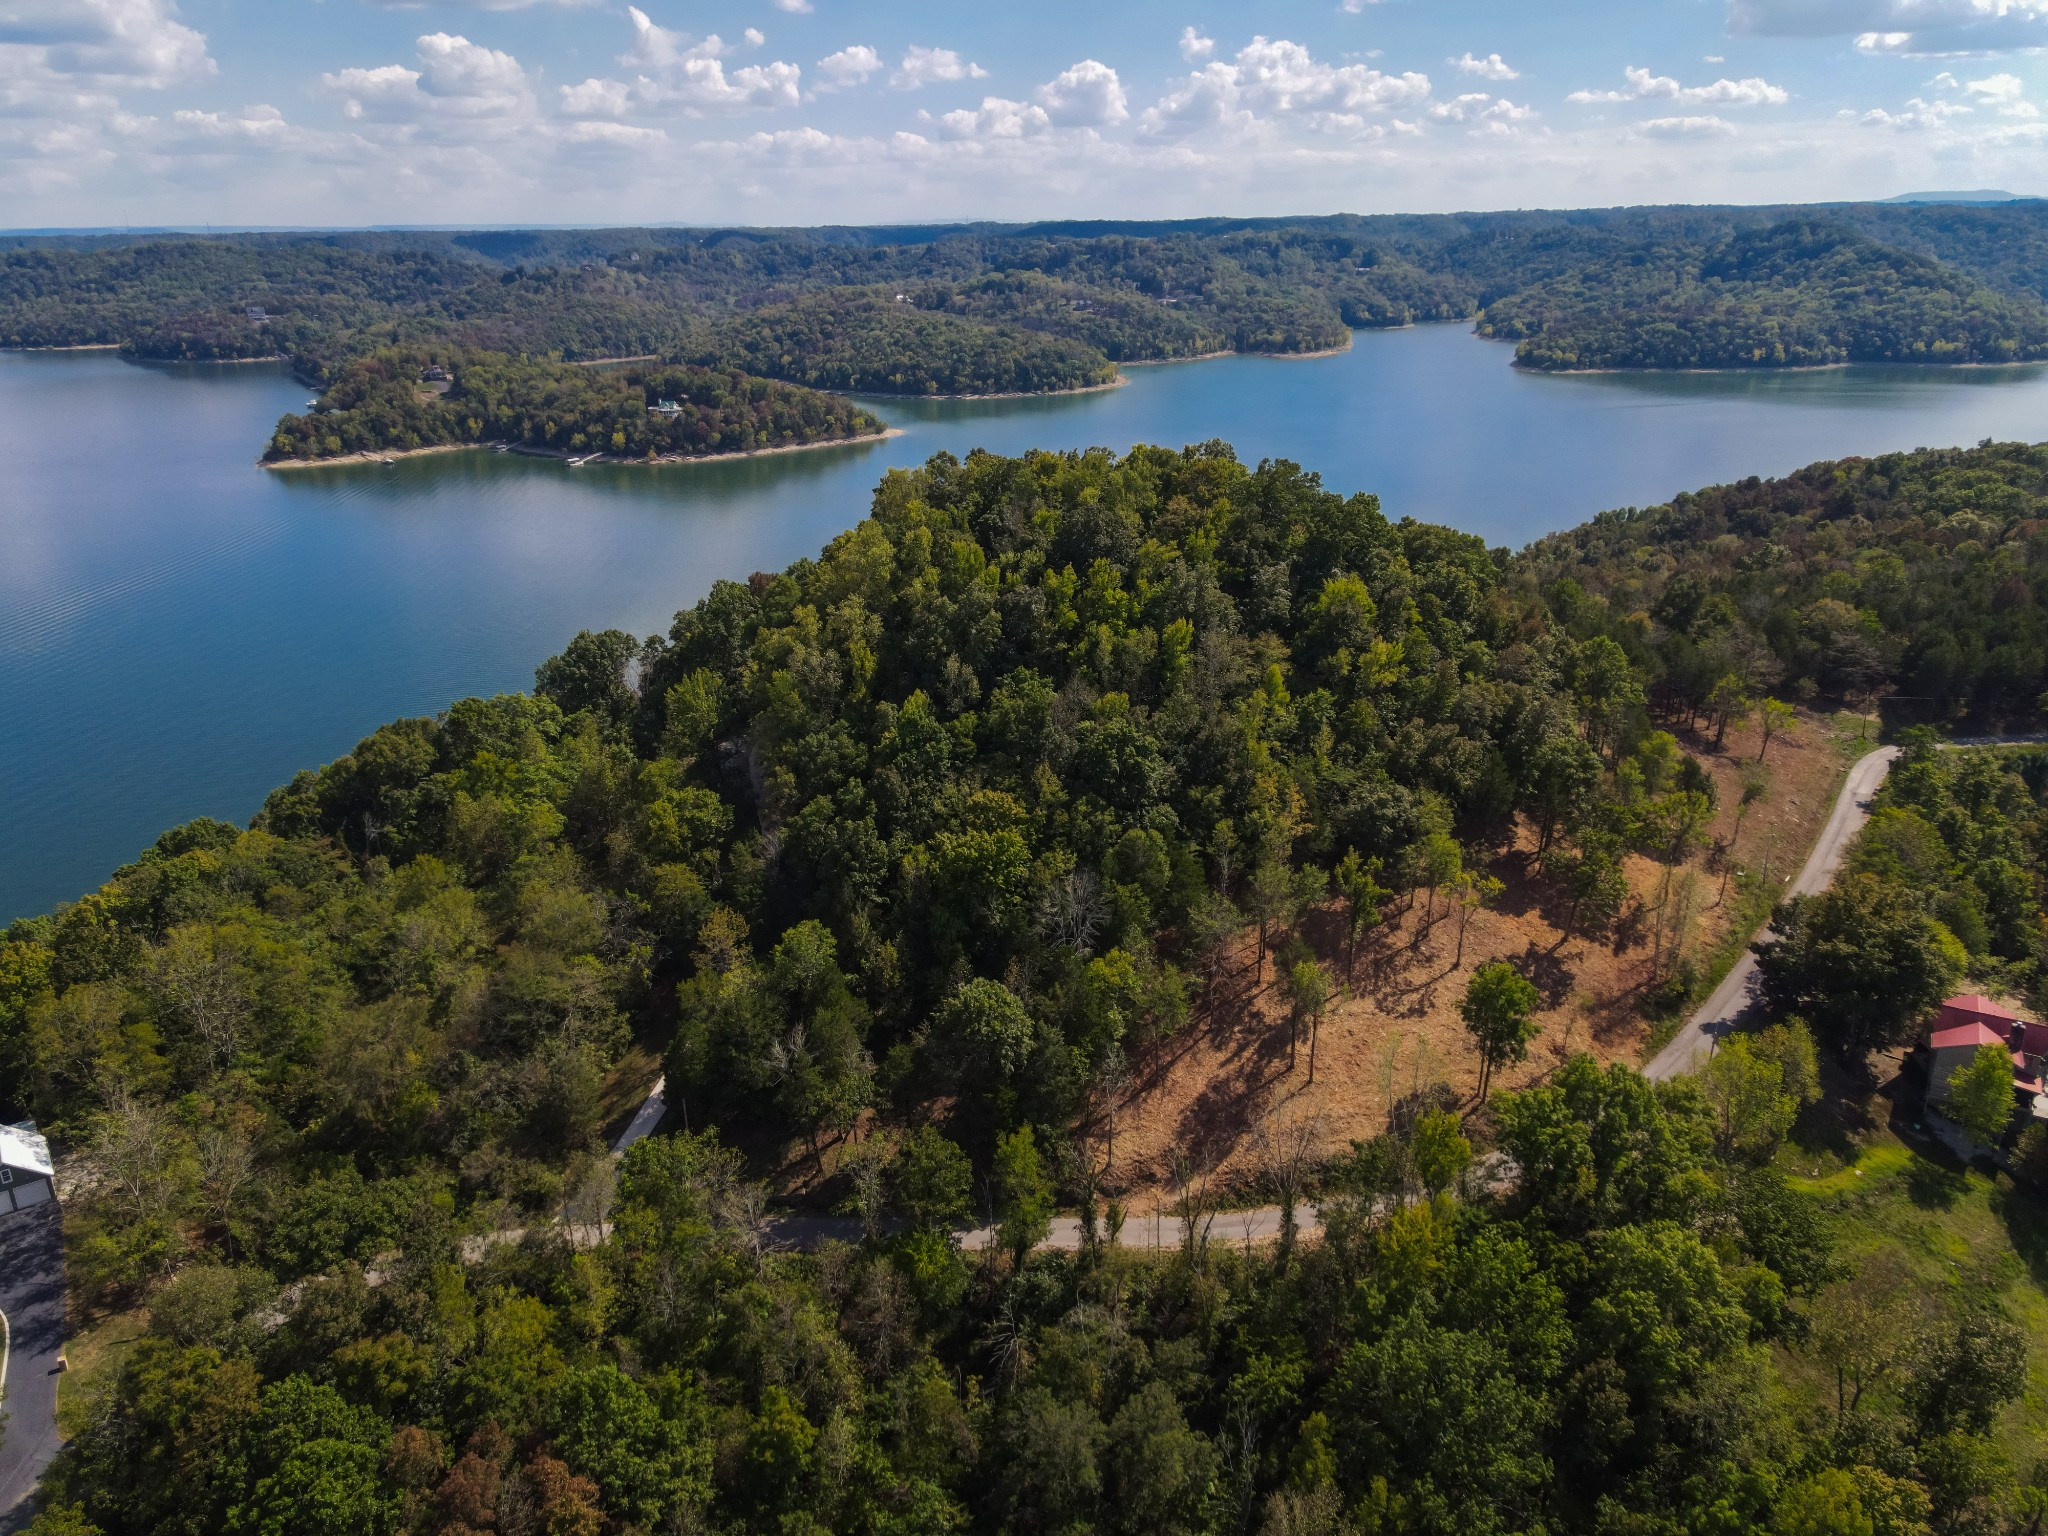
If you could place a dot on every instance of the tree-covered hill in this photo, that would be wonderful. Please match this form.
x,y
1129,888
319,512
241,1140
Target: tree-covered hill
x,y
1039,307
1913,578
899,857
386,402
871,342
1799,294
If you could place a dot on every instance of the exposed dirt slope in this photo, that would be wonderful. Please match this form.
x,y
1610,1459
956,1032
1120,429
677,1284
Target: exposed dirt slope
x,y
1201,1094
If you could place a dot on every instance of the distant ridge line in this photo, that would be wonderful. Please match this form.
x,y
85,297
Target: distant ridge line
x,y
1985,195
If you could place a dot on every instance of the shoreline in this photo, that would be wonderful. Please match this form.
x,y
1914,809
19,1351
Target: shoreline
x,y
1761,369
1295,357
1754,368
1175,362
1210,357
379,456
1010,394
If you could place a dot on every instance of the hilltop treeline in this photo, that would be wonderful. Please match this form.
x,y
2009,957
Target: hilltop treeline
x,y
872,342
1796,295
903,852
384,402
995,309
1912,579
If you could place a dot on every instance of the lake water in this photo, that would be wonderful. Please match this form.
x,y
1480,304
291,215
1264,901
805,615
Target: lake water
x,y
180,630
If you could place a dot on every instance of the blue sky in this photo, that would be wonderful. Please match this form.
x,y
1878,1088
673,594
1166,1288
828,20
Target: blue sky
x,y
810,111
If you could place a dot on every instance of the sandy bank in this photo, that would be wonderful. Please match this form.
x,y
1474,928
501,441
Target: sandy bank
x,y
381,456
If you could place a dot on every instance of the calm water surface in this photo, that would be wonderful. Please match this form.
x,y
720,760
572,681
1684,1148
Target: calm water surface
x,y
180,630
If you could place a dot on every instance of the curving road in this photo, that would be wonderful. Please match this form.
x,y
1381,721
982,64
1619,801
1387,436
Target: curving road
x,y
32,1297
1726,1007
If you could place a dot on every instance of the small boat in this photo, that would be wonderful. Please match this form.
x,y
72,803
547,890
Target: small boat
x,y
391,461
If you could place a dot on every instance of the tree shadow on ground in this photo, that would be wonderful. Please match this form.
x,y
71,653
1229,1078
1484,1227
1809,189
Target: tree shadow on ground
x,y
2025,1218
1619,1017
1523,888
1833,1124
1933,1181
1631,929
1544,967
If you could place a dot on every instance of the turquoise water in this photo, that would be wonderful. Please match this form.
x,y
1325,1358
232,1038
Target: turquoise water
x,y
180,630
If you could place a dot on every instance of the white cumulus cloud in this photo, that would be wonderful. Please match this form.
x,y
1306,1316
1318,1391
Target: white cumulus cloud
x,y
1195,45
1483,114
674,70
1492,67
600,135
110,43
1089,95
456,78
2005,94
1274,77
597,98
996,118
260,124
933,66
1708,127
1920,114
848,67
1644,86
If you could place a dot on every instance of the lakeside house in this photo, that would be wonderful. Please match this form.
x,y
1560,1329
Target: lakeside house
x,y
256,314
1970,1021
27,1176
665,408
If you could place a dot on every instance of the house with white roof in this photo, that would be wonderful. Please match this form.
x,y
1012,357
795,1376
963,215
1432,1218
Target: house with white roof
x,y
26,1175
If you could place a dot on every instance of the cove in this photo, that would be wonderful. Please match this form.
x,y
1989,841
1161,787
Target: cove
x,y
180,630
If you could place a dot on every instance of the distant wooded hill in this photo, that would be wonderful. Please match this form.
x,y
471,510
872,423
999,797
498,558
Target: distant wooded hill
x,y
986,309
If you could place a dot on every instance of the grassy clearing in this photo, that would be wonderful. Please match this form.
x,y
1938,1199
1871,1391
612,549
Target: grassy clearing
x,y
1951,1234
96,1355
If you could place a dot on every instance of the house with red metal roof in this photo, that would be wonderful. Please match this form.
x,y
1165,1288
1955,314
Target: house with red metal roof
x,y
1969,1022
1975,1008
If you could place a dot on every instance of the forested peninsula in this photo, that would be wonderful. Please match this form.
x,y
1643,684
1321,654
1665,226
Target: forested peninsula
x,y
1003,309
1801,294
918,868
404,399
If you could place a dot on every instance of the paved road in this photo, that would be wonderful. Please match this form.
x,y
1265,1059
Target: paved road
x,y
1736,996
650,1115
1141,1229
32,1296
